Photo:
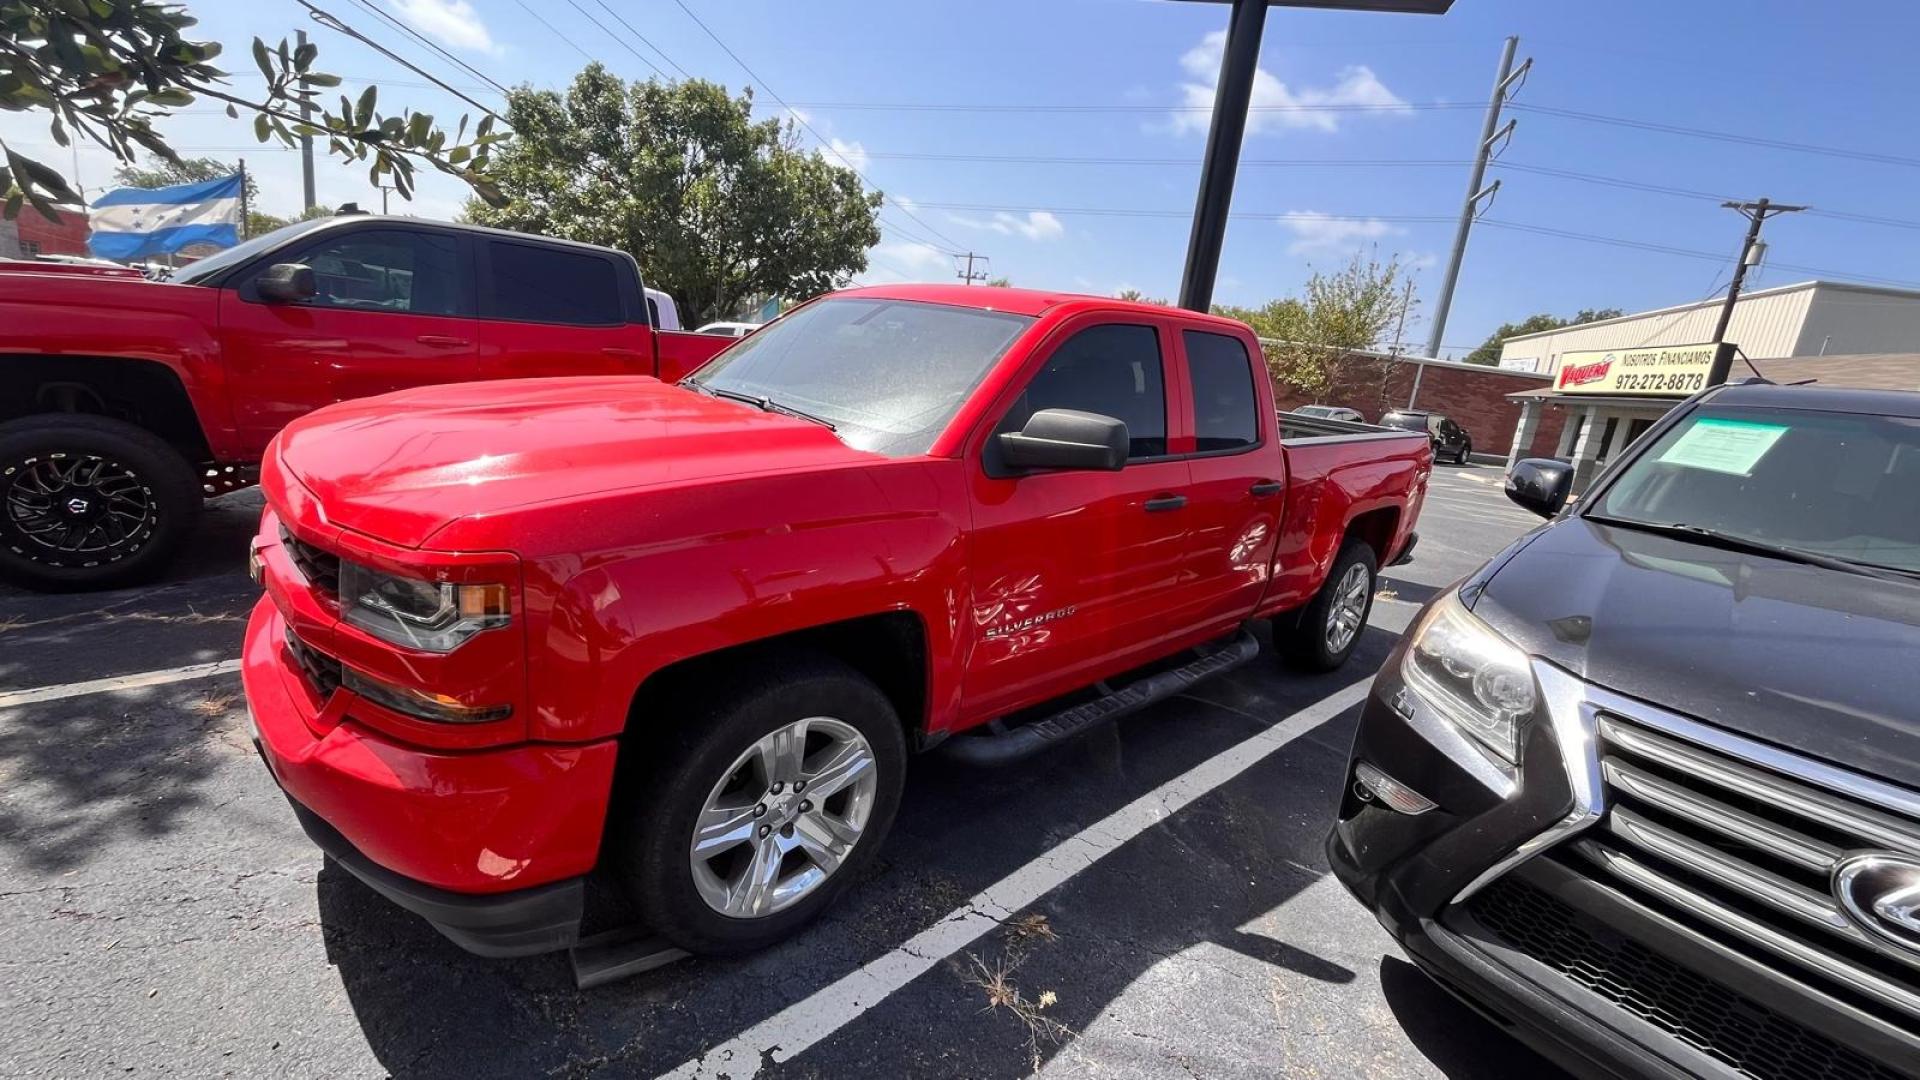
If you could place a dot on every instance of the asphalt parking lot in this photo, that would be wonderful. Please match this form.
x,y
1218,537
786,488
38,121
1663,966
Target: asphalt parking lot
x,y
1150,902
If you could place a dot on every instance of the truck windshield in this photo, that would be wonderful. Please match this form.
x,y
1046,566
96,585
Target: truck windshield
x,y
888,374
1840,485
239,253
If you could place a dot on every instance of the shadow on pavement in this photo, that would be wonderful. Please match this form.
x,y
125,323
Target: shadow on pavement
x,y
1203,878
1434,1019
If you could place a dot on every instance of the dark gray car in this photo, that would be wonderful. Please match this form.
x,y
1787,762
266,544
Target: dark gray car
x,y
1646,786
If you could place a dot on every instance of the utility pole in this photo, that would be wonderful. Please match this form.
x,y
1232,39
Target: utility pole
x,y
1756,214
306,141
968,274
1504,84
383,195
246,211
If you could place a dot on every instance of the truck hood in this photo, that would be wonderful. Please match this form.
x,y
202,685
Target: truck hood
x,y
1817,661
400,467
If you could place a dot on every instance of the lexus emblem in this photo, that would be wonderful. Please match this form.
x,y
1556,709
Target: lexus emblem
x,y
1881,893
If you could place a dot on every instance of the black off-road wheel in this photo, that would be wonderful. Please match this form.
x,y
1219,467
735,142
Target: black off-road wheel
x,y
88,502
769,799
1320,636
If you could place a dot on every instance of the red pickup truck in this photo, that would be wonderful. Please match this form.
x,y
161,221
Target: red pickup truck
x,y
124,402
514,633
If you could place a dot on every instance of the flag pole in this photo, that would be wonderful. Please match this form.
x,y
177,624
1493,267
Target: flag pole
x,y
244,210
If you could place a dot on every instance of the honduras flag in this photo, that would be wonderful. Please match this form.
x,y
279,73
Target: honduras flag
x,y
138,223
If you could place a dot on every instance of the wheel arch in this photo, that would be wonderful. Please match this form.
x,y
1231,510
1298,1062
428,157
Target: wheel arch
x,y
146,393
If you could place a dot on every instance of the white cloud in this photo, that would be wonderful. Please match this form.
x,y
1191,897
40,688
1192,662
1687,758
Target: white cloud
x,y
905,260
848,153
452,23
1314,231
1315,108
1033,225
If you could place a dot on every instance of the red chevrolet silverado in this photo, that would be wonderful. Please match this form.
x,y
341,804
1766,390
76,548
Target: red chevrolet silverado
x,y
124,402
687,635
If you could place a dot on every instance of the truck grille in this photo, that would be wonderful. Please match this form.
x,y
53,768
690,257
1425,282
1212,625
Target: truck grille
x,y
1738,841
1702,1012
321,671
320,567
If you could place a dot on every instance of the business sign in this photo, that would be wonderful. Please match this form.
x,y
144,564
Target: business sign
x,y
1673,371
1521,363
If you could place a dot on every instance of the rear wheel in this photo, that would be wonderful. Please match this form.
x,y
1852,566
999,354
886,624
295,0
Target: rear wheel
x,y
771,802
1320,636
1466,451
88,502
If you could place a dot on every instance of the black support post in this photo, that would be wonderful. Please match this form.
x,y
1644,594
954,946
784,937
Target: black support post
x,y
1231,96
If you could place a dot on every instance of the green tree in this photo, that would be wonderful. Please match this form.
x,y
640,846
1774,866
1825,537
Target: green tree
x,y
1328,338
113,71
1137,297
715,206
999,283
1488,353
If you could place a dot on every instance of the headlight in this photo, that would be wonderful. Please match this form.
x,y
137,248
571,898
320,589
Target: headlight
x,y
1471,676
435,616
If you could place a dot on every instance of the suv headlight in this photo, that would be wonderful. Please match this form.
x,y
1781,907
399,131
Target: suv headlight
x,y
1470,675
435,616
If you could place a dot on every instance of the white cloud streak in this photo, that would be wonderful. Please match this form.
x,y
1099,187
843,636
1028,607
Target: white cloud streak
x,y
1035,225
849,153
1310,108
1315,232
453,23
904,260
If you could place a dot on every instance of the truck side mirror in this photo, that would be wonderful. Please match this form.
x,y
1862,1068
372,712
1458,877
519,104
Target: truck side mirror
x,y
1066,439
1540,485
287,283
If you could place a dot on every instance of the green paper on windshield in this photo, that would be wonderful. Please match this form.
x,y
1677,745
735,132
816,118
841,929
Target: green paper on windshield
x,y
1728,446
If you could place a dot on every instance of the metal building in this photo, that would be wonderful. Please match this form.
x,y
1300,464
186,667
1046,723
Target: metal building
x,y
1812,318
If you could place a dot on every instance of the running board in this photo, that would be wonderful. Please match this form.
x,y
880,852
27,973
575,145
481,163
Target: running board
x,y
1015,744
619,954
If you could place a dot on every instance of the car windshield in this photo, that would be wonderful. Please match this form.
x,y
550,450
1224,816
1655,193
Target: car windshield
x,y
1841,485
888,374
239,253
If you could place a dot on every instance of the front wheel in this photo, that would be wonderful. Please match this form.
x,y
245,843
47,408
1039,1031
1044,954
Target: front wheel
x,y
88,502
770,805
1466,451
1323,634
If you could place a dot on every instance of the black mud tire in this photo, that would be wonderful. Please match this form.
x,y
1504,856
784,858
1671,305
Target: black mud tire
x,y
650,837
1466,451
112,466
1301,636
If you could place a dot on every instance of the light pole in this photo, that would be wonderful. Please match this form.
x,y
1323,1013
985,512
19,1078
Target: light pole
x,y
1238,63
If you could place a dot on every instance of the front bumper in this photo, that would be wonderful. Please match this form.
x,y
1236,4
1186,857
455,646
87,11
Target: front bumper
x,y
490,846
1483,897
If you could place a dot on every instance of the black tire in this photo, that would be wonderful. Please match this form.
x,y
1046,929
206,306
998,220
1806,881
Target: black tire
x,y
135,501
1466,451
1302,636
649,847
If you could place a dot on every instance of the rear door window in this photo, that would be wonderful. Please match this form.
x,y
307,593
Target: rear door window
x,y
1226,411
1114,370
531,283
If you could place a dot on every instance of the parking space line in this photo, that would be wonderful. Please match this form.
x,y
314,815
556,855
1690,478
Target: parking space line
x,y
792,1030
11,698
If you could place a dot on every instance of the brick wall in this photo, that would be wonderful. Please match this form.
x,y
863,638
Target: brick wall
x,y
1474,396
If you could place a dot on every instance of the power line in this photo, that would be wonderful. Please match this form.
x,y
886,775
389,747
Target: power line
x,y
802,121
684,73
1723,136
1665,249
381,13
1042,159
554,30
1688,193
333,22
1031,107
617,39
1114,211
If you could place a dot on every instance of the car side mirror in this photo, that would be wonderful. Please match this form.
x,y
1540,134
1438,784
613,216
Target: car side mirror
x,y
287,283
1540,485
1066,439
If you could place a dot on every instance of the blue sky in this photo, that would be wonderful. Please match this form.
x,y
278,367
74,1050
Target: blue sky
x,y
1831,75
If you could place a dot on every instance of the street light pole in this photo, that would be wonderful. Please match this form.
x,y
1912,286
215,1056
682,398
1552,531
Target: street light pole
x,y
1232,94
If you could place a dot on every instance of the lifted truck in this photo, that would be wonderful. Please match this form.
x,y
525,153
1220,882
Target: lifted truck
x,y
124,402
516,633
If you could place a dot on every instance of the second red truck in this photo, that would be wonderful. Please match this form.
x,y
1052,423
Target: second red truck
x,y
686,636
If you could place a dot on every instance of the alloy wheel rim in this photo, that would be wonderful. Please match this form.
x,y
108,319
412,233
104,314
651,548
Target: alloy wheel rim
x,y
783,818
1349,608
82,509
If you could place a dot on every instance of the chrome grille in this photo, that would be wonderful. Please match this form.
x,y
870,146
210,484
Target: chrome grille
x,y
1740,842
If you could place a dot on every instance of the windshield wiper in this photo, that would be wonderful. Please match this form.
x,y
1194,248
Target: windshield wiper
x,y
1730,542
766,404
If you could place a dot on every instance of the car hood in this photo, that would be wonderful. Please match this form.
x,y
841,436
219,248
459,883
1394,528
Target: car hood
x,y
400,467
1818,661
